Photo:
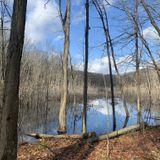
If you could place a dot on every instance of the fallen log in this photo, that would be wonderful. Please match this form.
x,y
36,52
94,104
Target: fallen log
x,y
64,136
93,138
41,136
116,133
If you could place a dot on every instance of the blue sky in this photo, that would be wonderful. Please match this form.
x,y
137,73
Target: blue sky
x,y
43,29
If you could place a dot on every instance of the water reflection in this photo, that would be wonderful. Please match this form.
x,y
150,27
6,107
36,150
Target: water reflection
x,y
99,118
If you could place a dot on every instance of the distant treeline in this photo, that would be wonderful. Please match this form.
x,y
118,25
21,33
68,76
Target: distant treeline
x,y
41,74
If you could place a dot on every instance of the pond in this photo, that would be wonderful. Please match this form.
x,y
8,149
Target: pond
x,y
99,118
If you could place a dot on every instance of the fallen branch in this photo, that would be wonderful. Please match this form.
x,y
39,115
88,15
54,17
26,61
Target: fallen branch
x,y
116,133
41,136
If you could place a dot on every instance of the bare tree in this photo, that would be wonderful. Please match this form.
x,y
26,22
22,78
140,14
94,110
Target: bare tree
x,y
115,65
85,89
100,7
137,25
8,139
137,55
151,18
64,94
138,35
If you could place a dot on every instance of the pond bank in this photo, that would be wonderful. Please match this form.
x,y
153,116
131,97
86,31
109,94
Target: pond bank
x,y
137,145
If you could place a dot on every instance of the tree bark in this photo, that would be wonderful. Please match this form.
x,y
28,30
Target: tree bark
x,y
40,136
9,137
85,89
2,42
64,93
137,55
116,133
2,52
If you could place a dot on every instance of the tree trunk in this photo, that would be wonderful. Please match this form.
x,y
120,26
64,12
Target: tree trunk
x,y
151,55
40,136
112,89
2,43
2,53
64,93
137,55
103,16
116,68
116,133
8,139
85,89
144,42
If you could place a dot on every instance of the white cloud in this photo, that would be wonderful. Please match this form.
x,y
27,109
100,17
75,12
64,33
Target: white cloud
x,y
151,34
100,65
42,21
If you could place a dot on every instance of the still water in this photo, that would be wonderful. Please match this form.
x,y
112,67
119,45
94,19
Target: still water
x,y
99,118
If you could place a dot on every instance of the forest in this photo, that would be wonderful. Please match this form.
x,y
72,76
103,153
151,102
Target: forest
x,y
79,80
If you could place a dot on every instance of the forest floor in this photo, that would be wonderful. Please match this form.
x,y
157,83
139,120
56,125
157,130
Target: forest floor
x,y
140,145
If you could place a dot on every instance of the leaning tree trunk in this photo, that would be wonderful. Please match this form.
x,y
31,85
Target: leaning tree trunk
x,y
116,67
104,19
103,16
64,92
8,139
